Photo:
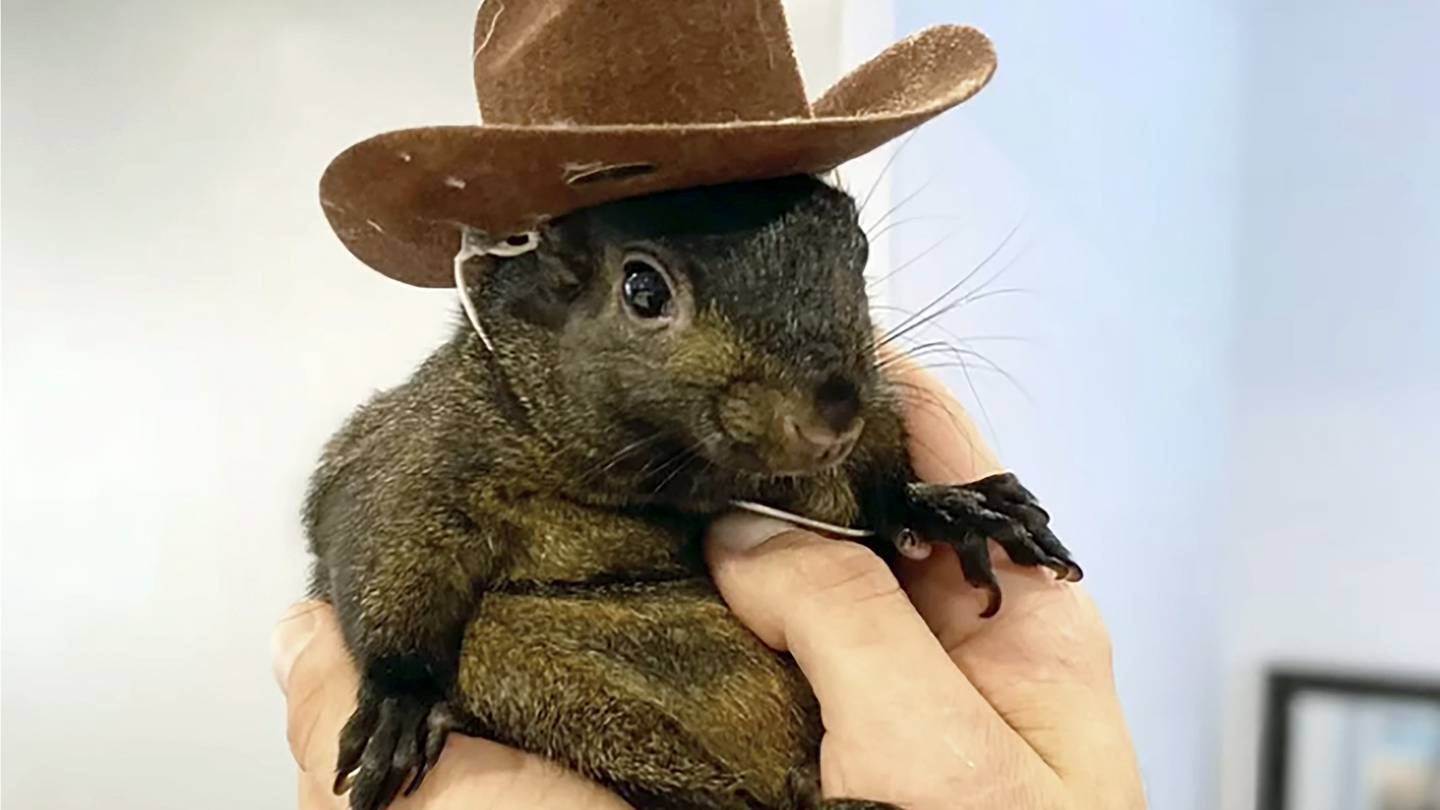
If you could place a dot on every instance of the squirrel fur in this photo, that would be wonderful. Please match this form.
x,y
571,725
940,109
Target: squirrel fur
x,y
511,538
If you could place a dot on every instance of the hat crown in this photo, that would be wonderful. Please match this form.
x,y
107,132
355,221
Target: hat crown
x,y
639,62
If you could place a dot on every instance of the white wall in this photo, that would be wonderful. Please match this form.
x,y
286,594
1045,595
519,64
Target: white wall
x,y
181,332
1110,131
1336,448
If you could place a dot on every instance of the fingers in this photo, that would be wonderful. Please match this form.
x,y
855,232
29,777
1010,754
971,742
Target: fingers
x,y
947,448
318,678
884,683
317,796
1043,663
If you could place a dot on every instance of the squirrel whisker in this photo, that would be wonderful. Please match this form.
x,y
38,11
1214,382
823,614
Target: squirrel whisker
x,y
621,454
905,324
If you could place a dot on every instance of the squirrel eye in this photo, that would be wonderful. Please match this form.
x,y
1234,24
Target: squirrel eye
x,y
646,290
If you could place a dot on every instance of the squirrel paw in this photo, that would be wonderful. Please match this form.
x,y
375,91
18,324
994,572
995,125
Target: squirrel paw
x,y
996,508
388,739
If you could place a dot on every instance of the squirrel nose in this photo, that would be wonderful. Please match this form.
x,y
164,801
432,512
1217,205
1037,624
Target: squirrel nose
x,y
820,445
837,399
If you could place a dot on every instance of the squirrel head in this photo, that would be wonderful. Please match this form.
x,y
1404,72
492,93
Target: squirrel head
x,y
704,341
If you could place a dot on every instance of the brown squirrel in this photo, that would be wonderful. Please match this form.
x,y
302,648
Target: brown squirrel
x,y
511,538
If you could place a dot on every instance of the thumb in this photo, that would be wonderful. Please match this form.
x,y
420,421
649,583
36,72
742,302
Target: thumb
x,y
813,597
838,610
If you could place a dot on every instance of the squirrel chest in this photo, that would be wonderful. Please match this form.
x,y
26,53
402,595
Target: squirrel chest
x,y
604,632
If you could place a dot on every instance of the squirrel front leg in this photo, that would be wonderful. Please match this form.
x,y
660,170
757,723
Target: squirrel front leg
x,y
404,588
903,510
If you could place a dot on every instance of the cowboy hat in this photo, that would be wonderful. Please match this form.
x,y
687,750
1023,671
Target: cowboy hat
x,y
588,101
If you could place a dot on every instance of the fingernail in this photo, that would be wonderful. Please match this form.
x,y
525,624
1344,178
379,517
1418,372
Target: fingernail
x,y
290,638
743,531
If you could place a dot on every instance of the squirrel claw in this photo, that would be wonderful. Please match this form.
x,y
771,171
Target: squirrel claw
x,y
441,721
388,741
343,781
996,508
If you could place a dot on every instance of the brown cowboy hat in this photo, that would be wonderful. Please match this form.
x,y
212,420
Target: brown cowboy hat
x,y
588,101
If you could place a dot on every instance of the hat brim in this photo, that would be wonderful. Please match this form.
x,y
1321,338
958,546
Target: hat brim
x,y
398,200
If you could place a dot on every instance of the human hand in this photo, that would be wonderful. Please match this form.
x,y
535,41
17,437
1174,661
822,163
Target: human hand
x,y
926,705
319,681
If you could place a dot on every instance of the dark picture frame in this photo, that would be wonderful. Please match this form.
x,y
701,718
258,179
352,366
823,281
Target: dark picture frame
x,y
1283,691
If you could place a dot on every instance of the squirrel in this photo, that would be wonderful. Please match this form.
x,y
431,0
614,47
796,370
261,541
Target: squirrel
x,y
511,538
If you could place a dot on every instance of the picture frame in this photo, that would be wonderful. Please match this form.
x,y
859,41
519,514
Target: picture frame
x,y
1349,741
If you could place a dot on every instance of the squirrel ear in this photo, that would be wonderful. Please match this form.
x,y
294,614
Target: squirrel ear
x,y
514,274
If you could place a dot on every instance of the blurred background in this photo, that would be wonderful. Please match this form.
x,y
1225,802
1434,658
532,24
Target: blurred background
x,y
1213,346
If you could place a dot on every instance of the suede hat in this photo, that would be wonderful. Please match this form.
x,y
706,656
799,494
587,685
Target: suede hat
x,y
588,101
